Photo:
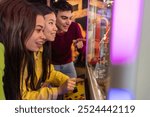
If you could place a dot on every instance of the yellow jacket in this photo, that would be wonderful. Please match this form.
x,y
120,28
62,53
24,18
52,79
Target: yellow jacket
x,y
44,93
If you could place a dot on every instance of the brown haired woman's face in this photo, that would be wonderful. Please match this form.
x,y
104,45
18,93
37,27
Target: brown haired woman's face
x,y
37,39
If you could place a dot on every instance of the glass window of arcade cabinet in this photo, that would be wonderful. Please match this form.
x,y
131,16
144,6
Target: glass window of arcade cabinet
x,y
98,37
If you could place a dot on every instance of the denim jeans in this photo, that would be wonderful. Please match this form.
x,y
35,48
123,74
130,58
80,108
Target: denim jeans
x,y
67,69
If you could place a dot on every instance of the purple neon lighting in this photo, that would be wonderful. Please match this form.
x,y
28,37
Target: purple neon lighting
x,y
126,28
120,94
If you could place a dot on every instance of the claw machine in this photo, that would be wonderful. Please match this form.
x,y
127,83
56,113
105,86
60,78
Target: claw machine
x,y
97,56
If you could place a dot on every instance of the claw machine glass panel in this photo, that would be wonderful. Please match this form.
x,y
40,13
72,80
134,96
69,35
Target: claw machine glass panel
x,y
98,33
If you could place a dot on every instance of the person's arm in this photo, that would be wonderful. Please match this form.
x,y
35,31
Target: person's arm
x,y
49,92
61,80
44,93
2,66
57,78
79,40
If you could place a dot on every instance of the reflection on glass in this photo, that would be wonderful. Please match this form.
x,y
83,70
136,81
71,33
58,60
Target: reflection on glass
x,y
99,17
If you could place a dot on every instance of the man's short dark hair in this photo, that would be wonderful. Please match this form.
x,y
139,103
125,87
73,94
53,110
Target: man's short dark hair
x,y
62,5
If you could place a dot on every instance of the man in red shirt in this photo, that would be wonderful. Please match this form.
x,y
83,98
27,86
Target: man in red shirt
x,y
67,32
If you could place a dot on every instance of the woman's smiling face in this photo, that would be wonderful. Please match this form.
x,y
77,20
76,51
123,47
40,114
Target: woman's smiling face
x,y
50,26
37,39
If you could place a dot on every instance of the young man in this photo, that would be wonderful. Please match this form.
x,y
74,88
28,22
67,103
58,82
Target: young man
x,y
66,33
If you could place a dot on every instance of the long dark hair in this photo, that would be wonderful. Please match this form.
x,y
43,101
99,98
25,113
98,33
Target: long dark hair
x,y
44,8
17,23
46,56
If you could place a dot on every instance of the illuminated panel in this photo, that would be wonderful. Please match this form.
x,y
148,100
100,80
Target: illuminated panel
x,y
125,39
120,94
126,28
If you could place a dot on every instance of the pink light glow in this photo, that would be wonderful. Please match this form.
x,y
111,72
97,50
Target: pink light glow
x,y
126,29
